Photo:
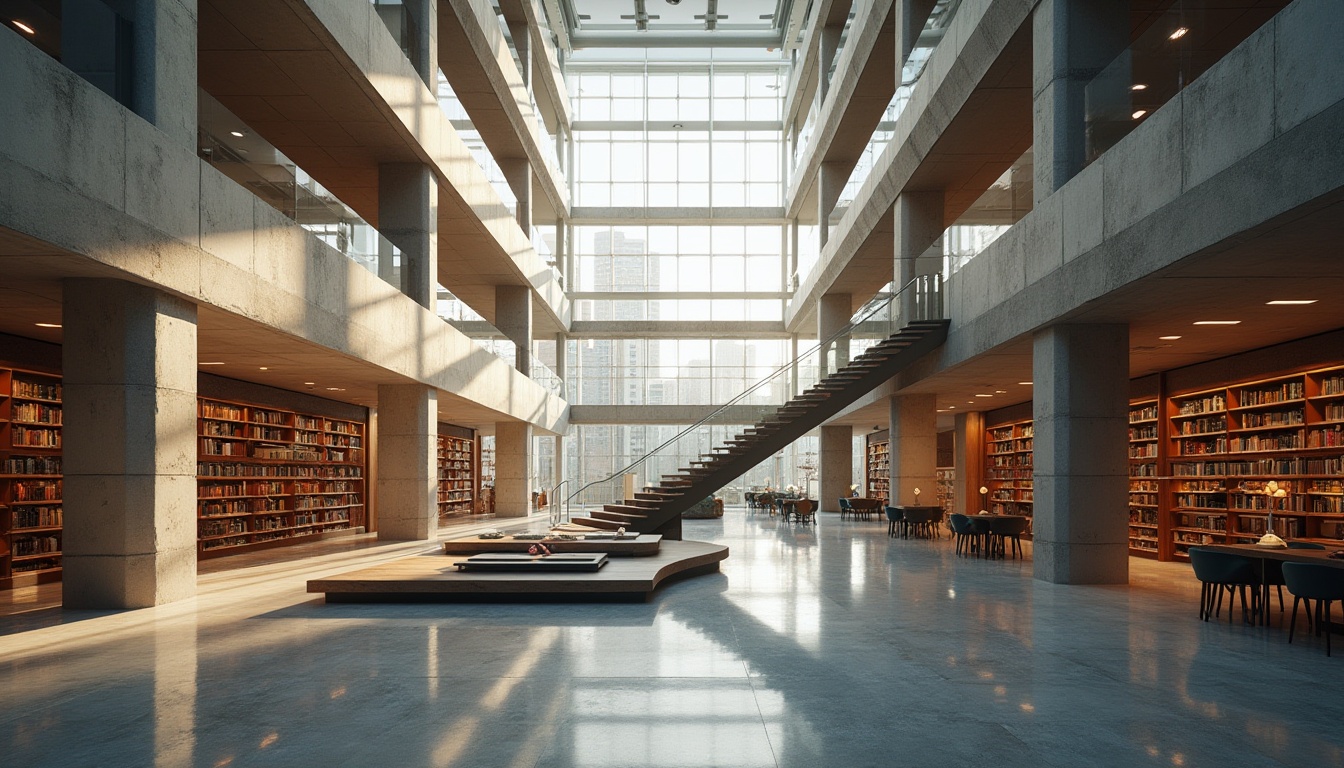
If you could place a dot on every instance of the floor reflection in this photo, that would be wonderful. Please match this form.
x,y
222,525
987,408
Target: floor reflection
x,y
829,646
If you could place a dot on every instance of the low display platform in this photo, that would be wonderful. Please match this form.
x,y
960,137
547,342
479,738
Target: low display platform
x,y
641,546
521,562
432,578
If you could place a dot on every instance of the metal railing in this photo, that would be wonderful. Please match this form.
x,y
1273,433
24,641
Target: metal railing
x,y
885,315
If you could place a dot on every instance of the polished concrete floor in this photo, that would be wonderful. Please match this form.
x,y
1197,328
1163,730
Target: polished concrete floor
x,y
825,646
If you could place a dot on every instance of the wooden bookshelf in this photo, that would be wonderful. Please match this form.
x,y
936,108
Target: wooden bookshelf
x,y
457,468
269,476
1008,474
946,481
877,475
1144,487
31,514
1227,443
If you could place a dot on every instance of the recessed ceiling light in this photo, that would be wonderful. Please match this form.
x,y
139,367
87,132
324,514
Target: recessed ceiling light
x,y
1139,87
1025,383
237,134
47,325
24,28
335,389
264,368
1000,391
984,395
1291,302
970,402
1179,33
1217,322
951,407
309,383
1139,113
1168,338
209,363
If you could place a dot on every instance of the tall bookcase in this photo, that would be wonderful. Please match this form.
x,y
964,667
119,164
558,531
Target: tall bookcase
x,y
1226,444
269,476
457,476
1144,489
877,473
31,515
1008,475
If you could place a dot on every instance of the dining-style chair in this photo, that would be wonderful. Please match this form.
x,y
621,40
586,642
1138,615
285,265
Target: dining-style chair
x,y
805,511
1322,583
845,508
961,532
1218,572
894,518
979,533
1305,545
1003,529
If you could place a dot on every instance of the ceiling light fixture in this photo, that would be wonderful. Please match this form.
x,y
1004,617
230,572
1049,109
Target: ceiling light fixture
x,y
264,368
1179,33
1217,322
24,28
1291,302
237,134
1000,391
210,363
309,383
984,395
1025,383
1139,87
47,325
1168,338
1139,113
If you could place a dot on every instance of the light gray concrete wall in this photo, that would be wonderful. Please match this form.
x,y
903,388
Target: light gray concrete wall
x,y
129,454
1255,137
87,176
832,316
914,449
407,485
1079,461
163,51
408,216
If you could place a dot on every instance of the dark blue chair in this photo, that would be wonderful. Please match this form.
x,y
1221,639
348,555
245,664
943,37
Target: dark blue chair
x,y
894,517
845,508
1322,583
961,530
1219,572
1305,545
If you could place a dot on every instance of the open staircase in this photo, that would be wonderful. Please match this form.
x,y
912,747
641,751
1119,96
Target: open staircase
x,y
658,508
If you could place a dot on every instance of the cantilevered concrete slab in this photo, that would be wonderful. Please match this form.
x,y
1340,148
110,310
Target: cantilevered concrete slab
x,y
324,82
548,84
803,77
968,119
476,59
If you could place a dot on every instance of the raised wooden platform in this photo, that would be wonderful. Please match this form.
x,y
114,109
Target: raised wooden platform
x,y
432,578
641,546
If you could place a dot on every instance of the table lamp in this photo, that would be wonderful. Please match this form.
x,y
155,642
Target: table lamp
x,y
916,497
983,493
1270,539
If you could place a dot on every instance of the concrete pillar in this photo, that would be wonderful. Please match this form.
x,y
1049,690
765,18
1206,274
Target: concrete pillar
x,y
911,16
424,18
143,56
1072,41
513,469
828,40
129,360
1080,459
559,470
561,262
914,449
562,357
408,216
837,465
518,175
513,317
831,180
968,458
522,42
833,315
918,248
407,487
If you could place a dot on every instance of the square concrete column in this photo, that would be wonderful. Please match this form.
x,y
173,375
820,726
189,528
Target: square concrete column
x,y
561,258
129,360
513,317
828,41
424,17
513,469
837,465
968,460
832,317
914,449
153,72
522,42
408,479
562,357
918,241
1072,41
911,16
518,174
831,178
1080,457
408,216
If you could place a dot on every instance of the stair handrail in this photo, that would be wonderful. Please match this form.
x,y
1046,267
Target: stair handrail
x,y
556,504
869,309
